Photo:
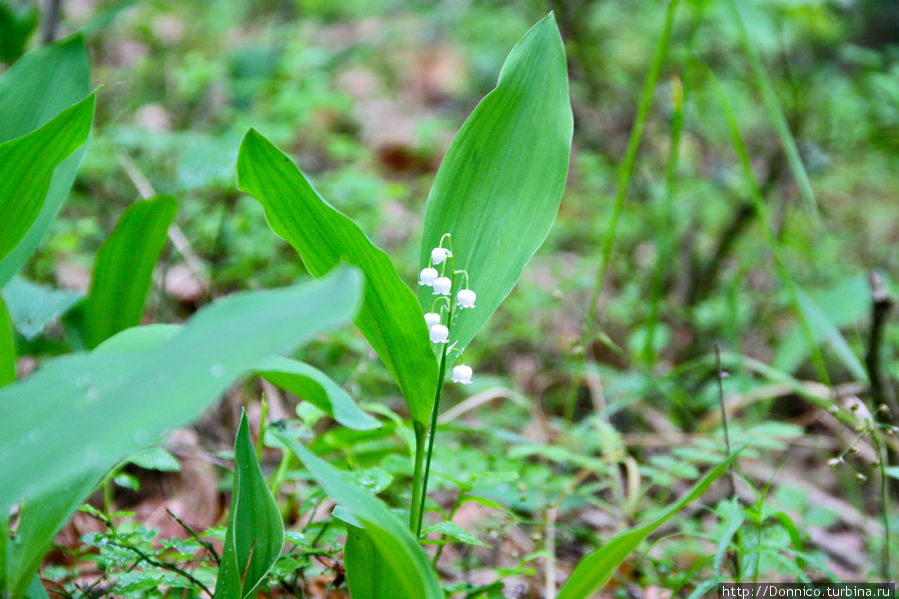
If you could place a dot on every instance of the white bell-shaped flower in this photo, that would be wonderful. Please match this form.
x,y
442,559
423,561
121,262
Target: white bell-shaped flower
x,y
439,333
442,286
462,374
438,255
466,298
428,276
432,318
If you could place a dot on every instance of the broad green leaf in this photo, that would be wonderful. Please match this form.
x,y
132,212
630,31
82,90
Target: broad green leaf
x,y
400,552
40,520
595,570
26,168
123,268
7,348
498,189
255,532
367,575
35,89
139,394
33,307
136,338
316,387
389,317
296,377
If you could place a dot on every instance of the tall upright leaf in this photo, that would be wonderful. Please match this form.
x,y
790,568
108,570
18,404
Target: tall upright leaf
x,y
123,268
26,168
402,556
35,89
595,570
255,532
138,394
389,317
499,186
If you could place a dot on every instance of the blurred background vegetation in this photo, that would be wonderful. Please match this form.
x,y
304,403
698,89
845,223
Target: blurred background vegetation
x,y
367,96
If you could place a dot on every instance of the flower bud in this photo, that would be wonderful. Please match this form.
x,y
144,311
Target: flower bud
x,y
462,374
432,318
438,255
465,298
427,276
442,286
439,334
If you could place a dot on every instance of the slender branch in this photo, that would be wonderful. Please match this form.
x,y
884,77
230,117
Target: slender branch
x,y
206,544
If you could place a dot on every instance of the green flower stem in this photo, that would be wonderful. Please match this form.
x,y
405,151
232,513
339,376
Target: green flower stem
x,y
421,434
423,495
434,411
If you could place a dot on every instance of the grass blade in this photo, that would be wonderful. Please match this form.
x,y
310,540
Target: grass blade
x,y
630,157
775,113
595,570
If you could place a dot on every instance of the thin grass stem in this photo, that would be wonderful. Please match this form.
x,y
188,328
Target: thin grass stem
x,y
624,176
775,113
666,226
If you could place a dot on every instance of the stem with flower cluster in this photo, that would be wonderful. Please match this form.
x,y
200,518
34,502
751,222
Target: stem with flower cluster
x,y
419,506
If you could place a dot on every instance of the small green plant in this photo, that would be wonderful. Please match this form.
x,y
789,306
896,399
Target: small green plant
x,y
109,387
